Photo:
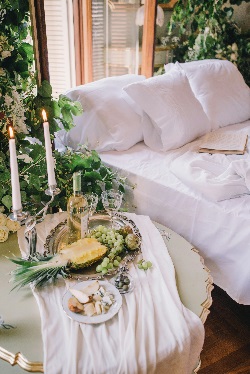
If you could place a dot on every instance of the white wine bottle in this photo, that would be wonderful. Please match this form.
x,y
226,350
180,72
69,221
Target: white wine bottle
x,y
77,209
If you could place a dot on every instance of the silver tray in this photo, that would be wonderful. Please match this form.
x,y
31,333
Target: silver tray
x,y
58,237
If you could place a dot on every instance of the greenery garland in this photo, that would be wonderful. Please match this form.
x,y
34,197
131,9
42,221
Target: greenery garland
x,y
21,103
207,30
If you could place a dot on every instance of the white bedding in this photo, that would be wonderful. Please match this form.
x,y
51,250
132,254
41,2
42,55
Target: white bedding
x,y
220,230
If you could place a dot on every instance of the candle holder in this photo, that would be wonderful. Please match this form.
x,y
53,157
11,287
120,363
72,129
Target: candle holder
x,y
30,222
19,215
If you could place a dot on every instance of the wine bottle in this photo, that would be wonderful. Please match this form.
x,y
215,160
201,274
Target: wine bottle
x,y
77,209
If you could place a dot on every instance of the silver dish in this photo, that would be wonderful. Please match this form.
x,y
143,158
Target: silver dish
x,y
58,237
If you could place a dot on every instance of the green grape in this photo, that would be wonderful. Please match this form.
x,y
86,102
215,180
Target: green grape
x,y
139,266
99,268
149,264
111,256
104,270
118,258
110,265
145,265
116,263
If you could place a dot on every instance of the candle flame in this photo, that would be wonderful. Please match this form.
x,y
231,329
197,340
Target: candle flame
x,y
11,132
44,115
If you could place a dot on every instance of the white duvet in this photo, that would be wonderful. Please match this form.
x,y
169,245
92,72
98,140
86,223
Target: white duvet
x,y
216,177
219,230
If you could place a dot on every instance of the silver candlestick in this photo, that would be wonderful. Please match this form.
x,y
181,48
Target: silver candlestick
x,y
30,222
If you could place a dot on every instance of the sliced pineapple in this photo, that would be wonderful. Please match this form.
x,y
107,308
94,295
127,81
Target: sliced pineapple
x,y
76,256
82,253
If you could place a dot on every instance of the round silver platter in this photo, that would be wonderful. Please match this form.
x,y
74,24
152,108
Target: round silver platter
x,y
58,237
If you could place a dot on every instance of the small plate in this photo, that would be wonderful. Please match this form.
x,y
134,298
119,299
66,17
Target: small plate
x,y
122,291
94,319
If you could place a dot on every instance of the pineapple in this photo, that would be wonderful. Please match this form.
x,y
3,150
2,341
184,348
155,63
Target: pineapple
x,y
75,256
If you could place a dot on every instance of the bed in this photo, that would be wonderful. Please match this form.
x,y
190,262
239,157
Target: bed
x,y
150,131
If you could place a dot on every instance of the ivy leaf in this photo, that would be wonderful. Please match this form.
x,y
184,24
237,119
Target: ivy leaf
x,y
34,180
76,109
56,108
45,90
103,172
67,116
94,175
7,201
79,163
23,196
4,176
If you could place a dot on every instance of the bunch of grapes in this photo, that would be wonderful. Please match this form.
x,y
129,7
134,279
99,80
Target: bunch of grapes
x,y
116,244
144,265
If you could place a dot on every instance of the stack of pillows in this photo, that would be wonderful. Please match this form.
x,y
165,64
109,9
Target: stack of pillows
x,y
165,111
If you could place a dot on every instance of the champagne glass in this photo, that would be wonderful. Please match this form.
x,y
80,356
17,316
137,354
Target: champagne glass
x,y
112,200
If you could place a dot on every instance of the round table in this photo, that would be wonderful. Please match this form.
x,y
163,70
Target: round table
x,y
22,345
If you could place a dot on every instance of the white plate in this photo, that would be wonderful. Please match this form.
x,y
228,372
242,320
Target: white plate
x,y
98,318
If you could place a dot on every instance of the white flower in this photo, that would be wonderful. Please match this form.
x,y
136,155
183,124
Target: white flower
x,y
27,159
234,47
3,219
12,225
175,39
4,234
233,57
6,54
8,100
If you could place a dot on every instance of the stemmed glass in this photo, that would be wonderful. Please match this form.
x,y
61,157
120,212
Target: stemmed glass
x,y
92,199
111,200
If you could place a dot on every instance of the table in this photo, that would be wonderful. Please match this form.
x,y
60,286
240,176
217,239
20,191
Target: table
x,y
22,346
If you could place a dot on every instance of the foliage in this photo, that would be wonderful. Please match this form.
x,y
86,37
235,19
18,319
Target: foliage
x,y
33,175
21,103
207,30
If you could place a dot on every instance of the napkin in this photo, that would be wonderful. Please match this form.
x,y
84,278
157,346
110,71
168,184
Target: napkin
x,y
152,332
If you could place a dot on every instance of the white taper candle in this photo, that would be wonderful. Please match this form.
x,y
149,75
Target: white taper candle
x,y
48,147
15,185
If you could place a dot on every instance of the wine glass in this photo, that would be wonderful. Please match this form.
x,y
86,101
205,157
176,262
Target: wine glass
x,y
111,201
92,200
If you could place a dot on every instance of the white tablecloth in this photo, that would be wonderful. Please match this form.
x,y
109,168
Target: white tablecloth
x,y
152,333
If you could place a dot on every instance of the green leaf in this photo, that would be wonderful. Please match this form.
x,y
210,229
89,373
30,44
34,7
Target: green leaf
x,y
76,109
79,163
45,90
7,201
67,116
34,180
94,175
5,176
56,108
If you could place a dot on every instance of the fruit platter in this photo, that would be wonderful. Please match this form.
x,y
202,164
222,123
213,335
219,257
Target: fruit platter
x,y
108,247
120,236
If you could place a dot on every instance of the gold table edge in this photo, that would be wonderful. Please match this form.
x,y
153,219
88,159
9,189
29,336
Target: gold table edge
x,y
19,359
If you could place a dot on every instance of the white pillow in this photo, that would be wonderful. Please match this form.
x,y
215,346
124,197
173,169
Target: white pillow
x,y
109,122
171,65
221,90
174,116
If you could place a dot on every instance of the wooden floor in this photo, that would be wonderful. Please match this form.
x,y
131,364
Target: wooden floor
x,y
227,342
